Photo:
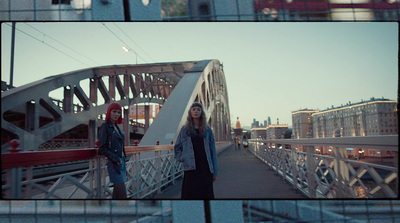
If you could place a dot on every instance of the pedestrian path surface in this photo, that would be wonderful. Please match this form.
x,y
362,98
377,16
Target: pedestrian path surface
x,y
242,176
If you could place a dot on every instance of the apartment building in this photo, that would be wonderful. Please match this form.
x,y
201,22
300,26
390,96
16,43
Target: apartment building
x,y
276,131
365,118
259,132
302,122
377,116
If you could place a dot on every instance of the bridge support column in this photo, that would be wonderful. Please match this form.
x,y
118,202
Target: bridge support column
x,y
312,184
396,163
31,124
126,126
68,106
341,170
31,116
146,118
293,160
92,133
157,155
16,179
219,121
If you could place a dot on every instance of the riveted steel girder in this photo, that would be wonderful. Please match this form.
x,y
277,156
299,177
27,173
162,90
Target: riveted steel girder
x,y
151,83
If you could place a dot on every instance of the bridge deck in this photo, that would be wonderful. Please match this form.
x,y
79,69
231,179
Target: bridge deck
x,y
242,176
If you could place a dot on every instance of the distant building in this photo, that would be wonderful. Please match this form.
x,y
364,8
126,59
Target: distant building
x,y
238,128
365,118
255,123
258,124
302,122
276,131
238,132
259,132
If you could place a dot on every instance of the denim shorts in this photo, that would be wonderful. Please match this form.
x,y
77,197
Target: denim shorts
x,y
115,177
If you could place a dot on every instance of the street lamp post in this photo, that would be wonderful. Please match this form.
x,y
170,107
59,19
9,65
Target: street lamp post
x,y
12,56
126,49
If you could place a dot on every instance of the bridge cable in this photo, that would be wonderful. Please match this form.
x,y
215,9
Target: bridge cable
x,y
123,41
49,45
63,44
134,42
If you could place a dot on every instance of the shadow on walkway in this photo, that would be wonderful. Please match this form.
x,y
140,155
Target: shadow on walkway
x,y
242,176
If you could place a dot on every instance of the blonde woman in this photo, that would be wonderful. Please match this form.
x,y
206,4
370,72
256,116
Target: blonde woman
x,y
195,148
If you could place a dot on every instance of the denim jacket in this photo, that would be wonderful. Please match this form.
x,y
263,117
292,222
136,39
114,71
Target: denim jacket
x,y
113,153
184,150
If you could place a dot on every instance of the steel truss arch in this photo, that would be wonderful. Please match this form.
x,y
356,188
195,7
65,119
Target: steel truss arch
x,y
145,83
205,83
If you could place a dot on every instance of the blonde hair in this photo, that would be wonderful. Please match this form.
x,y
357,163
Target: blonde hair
x,y
202,120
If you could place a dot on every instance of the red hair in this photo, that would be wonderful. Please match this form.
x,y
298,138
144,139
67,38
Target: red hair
x,y
117,106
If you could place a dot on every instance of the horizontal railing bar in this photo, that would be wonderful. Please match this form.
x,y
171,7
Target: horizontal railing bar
x,y
21,159
43,179
385,142
350,161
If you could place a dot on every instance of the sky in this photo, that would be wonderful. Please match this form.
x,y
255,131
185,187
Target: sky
x,y
271,69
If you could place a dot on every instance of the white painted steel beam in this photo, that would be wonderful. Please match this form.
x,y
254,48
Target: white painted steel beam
x,y
173,114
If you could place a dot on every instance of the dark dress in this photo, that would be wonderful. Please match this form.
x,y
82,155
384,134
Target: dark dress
x,y
198,184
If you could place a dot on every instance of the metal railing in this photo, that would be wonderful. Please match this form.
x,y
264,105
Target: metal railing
x,y
327,176
56,144
145,176
64,144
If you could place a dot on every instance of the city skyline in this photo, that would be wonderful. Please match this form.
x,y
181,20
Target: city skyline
x,y
264,123
270,69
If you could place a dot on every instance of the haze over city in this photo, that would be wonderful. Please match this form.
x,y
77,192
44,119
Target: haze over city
x,y
270,69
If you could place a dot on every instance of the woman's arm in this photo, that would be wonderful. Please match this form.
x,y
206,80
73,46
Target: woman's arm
x,y
178,147
213,152
104,145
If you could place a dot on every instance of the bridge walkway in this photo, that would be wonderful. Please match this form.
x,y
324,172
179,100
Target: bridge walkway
x,y
242,176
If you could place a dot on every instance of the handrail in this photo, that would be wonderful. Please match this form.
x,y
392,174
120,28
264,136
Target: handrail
x,y
383,142
24,178
22,159
331,176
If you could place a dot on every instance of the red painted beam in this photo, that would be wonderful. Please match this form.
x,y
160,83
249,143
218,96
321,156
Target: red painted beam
x,y
323,6
12,160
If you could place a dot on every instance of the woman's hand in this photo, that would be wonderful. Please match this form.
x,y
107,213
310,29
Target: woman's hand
x,y
214,178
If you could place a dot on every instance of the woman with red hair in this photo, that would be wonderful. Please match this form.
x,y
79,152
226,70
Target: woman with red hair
x,y
111,145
